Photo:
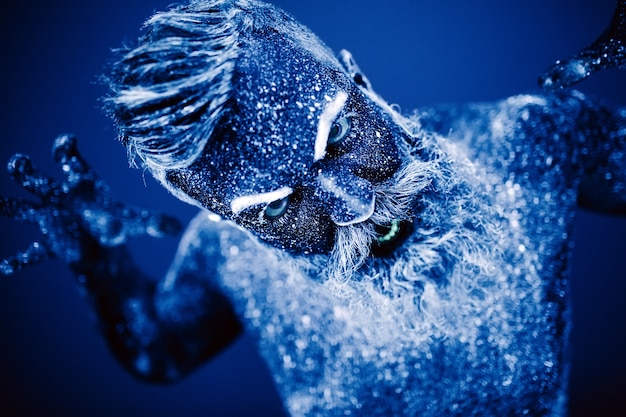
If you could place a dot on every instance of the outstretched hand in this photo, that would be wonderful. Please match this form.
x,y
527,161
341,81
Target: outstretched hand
x,y
73,212
608,51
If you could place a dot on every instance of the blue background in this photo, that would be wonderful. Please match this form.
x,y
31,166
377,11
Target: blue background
x,y
53,361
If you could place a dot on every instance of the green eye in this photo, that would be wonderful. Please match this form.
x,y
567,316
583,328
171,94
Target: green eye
x,y
276,208
338,131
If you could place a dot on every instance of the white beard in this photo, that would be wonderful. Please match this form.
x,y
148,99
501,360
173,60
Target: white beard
x,y
395,201
454,223
452,267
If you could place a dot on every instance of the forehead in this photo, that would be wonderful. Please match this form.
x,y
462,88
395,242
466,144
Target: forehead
x,y
268,138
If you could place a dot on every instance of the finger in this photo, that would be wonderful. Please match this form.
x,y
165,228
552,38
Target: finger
x,y
18,209
139,222
608,51
163,225
115,225
23,172
35,253
565,74
65,152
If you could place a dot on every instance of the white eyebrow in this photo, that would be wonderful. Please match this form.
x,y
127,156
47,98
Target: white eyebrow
x,y
240,203
329,114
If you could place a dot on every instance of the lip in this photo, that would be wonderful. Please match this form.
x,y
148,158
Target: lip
x,y
391,236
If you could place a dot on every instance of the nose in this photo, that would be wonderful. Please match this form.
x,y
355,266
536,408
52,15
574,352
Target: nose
x,y
350,198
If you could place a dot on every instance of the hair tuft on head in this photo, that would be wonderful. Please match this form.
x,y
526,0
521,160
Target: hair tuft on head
x,y
168,93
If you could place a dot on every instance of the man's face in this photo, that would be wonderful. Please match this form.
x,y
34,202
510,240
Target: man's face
x,y
298,154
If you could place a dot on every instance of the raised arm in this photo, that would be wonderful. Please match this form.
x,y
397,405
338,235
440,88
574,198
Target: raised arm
x,y
159,331
608,51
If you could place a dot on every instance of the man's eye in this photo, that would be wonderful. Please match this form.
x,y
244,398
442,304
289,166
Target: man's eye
x,y
276,208
339,131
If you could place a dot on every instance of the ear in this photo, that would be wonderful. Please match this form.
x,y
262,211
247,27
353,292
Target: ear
x,y
353,70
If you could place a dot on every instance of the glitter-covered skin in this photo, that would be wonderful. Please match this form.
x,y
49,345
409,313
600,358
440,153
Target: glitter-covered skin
x,y
268,143
468,315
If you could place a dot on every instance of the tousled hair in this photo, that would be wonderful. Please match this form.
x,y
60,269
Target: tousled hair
x,y
169,92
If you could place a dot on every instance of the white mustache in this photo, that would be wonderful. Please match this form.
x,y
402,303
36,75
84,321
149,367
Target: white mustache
x,y
394,201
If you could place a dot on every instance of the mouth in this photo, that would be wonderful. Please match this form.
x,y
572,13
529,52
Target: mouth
x,y
390,237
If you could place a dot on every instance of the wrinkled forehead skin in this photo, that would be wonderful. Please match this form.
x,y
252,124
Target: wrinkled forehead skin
x,y
267,137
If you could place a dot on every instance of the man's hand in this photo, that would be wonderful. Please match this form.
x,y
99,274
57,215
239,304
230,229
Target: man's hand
x,y
72,213
608,51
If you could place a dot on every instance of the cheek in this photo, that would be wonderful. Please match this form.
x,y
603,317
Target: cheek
x,y
313,227
378,155
304,228
386,158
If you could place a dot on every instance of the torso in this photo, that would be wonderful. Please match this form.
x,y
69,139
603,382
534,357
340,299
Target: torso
x,y
488,335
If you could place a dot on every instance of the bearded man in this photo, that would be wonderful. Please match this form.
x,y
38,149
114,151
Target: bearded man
x,y
386,264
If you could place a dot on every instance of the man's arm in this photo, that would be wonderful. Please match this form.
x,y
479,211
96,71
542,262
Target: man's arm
x,y
608,51
158,331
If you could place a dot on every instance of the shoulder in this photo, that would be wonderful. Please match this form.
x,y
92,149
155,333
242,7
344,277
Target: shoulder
x,y
208,232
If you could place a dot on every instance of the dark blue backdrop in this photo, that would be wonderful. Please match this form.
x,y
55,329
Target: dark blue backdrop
x,y
53,362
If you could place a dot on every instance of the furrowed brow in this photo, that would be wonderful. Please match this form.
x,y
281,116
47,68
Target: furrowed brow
x,y
327,117
241,203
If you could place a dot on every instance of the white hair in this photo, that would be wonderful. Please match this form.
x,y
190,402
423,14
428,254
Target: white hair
x,y
169,92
